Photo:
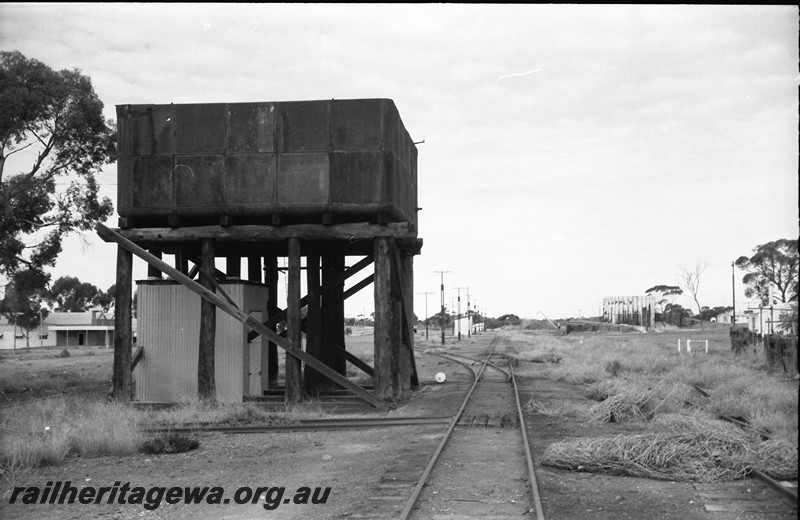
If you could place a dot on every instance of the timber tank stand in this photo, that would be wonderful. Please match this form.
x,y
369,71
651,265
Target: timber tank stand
x,y
310,183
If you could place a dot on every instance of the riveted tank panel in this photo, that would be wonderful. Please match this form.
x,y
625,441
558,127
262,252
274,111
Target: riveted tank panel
x,y
352,159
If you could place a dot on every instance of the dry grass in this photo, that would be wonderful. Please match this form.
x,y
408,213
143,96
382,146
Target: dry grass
x,y
47,432
643,378
197,411
27,374
678,447
636,397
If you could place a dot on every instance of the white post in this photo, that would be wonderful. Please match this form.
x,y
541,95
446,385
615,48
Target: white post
x,y
689,346
706,346
679,345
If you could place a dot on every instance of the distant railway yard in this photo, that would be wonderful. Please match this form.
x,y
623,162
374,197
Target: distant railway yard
x,y
618,425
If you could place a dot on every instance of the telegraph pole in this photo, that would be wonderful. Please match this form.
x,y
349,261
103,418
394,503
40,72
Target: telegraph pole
x,y
469,317
475,311
733,286
426,313
441,316
458,316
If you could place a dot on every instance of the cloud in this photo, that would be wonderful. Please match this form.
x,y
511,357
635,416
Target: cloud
x,y
519,74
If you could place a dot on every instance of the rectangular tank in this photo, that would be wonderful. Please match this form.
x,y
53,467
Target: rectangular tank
x,y
352,159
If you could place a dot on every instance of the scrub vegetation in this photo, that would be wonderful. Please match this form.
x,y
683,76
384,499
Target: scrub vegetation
x,y
642,380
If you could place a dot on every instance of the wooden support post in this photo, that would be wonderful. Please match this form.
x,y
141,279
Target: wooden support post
x,y
233,267
206,385
293,382
153,272
313,380
387,339
271,279
333,310
408,369
255,271
182,262
123,333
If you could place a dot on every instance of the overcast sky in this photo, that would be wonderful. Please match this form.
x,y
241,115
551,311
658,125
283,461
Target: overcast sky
x,y
571,152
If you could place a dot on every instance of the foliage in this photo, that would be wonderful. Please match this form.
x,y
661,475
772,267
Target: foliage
x,y
22,304
57,116
69,294
788,321
663,293
504,320
706,313
774,263
441,319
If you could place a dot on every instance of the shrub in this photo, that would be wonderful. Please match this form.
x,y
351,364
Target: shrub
x,y
169,443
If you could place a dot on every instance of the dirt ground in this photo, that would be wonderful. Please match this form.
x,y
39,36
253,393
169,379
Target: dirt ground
x,y
356,464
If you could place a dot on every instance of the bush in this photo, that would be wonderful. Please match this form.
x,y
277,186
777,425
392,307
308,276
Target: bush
x,y
169,443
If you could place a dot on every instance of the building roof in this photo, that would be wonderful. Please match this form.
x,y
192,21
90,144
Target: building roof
x,y
77,320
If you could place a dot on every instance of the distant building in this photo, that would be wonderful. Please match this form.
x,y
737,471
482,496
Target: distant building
x,y
743,319
465,325
14,337
93,328
630,310
758,318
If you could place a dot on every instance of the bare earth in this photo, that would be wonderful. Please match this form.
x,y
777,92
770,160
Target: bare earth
x,y
368,470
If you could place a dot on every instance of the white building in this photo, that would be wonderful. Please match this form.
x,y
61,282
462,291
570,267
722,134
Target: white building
x,y
93,328
466,326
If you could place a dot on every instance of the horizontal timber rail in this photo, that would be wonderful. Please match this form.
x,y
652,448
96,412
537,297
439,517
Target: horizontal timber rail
x,y
257,233
219,302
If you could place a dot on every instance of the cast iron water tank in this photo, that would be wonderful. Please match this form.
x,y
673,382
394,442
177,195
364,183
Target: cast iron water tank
x,y
352,159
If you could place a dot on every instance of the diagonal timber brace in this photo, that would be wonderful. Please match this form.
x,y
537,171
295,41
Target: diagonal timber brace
x,y
110,235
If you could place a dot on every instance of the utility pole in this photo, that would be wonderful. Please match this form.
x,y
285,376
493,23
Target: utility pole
x,y
441,316
733,286
476,310
458,316
469,317
426,313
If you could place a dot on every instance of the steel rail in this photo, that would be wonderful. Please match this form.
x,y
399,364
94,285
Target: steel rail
x,y
309,425
763,477
537,501
496,367
412,500
774,484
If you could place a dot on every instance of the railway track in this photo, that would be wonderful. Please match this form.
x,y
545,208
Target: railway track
x,y
789,494
480,472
